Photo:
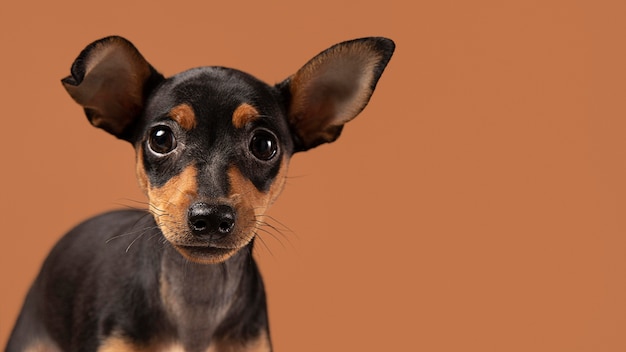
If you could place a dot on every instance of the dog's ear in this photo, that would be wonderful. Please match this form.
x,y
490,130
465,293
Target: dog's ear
x,y
332,88
111,81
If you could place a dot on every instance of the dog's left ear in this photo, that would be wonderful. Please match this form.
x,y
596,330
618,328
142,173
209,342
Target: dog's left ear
x,y
332,89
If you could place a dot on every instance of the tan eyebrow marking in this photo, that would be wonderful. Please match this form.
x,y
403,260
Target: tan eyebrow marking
x,y
243,114
184,115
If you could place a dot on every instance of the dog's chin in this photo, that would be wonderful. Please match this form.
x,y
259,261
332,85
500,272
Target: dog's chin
x,y
206,254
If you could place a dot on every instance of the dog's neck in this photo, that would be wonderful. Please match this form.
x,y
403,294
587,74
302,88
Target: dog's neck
x,y
200,296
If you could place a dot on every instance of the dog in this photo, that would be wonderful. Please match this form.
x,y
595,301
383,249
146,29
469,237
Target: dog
x,y
212,148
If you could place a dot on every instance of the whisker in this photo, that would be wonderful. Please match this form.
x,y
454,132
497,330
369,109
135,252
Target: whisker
x,y
132,201
148,204
279,231
135,240
153,207
126,206
276,232
131,233
133,227
269,233
156,234
284,227
263,243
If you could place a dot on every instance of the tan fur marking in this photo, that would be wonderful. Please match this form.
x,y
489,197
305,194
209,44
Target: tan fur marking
x,y
184,115
250,203
214,259
41,346
248,199
140,171
170,202
243,114
169,205
261,344
116,344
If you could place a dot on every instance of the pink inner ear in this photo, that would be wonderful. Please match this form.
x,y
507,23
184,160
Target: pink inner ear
x,y
332,89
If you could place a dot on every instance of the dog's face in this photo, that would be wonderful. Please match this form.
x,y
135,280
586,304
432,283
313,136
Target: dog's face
x,y
213,144
213,147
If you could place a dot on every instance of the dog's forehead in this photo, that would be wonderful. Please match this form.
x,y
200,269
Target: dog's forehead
x,y
213,92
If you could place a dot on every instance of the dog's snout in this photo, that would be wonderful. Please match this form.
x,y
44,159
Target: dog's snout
x,y
211,220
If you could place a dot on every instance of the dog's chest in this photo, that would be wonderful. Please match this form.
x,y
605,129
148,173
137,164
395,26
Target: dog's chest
x,y
196,303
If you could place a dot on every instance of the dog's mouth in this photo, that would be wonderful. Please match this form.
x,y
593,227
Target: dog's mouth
x,y
207,254
208,233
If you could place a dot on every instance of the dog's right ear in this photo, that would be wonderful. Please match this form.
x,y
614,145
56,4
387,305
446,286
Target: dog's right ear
x,y
111,81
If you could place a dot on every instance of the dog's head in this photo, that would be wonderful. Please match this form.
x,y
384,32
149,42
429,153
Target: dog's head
x,y
213,144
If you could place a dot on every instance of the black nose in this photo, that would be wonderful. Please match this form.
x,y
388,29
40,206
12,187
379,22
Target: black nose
x,y
212,221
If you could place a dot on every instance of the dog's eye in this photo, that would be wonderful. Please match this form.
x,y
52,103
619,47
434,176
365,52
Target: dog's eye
x,y
263,145
162,140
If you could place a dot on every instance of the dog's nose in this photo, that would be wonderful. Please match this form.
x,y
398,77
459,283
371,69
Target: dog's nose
x,y
211,220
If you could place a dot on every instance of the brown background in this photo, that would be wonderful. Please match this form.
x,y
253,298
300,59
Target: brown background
x,y
478,203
